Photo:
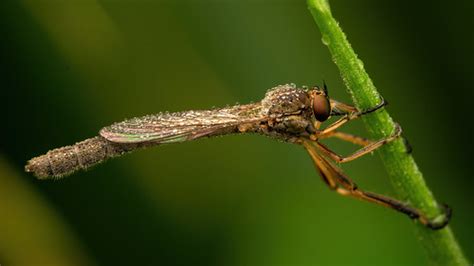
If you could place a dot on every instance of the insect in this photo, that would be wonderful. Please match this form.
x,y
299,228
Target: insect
x,y
286,113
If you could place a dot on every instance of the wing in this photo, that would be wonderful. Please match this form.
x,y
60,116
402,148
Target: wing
x,y
182,126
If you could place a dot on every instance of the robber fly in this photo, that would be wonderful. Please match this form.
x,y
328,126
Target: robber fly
x,y
286,113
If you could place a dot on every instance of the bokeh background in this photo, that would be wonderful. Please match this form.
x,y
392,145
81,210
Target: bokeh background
x,y
69,68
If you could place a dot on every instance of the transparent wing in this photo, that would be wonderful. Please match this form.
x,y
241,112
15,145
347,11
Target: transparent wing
x,y
182,126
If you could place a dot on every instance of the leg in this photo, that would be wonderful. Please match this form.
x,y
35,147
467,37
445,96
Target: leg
x,y
349,113
398,206
343,185
339,108
364,150
347,137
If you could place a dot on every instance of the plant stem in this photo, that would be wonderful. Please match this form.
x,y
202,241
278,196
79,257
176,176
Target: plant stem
x,y
441,246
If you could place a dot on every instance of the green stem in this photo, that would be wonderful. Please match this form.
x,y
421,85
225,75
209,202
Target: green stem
x,y
441,245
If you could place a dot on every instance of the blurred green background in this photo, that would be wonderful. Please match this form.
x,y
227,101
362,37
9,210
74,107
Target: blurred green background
x,y
69,68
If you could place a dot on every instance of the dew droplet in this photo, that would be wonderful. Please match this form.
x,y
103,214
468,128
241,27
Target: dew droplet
x,y
325,39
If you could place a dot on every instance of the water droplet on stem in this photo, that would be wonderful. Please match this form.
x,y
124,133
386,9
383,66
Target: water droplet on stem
x,y
325,39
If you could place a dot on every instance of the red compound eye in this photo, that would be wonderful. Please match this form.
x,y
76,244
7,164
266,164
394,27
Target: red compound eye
x,y
321,107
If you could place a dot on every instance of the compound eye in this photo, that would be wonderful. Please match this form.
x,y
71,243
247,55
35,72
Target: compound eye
x,y
321,107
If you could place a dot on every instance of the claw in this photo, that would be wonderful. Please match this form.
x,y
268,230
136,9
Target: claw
x,y
440,221
382,103
408,147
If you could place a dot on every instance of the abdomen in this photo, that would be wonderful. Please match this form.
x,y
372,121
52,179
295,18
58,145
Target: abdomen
x,y
82,155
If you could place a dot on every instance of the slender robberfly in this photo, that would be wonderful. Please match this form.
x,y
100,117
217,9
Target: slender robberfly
x,y
287,113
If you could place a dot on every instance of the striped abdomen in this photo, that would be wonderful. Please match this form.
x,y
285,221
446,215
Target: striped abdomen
x,y
82,155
